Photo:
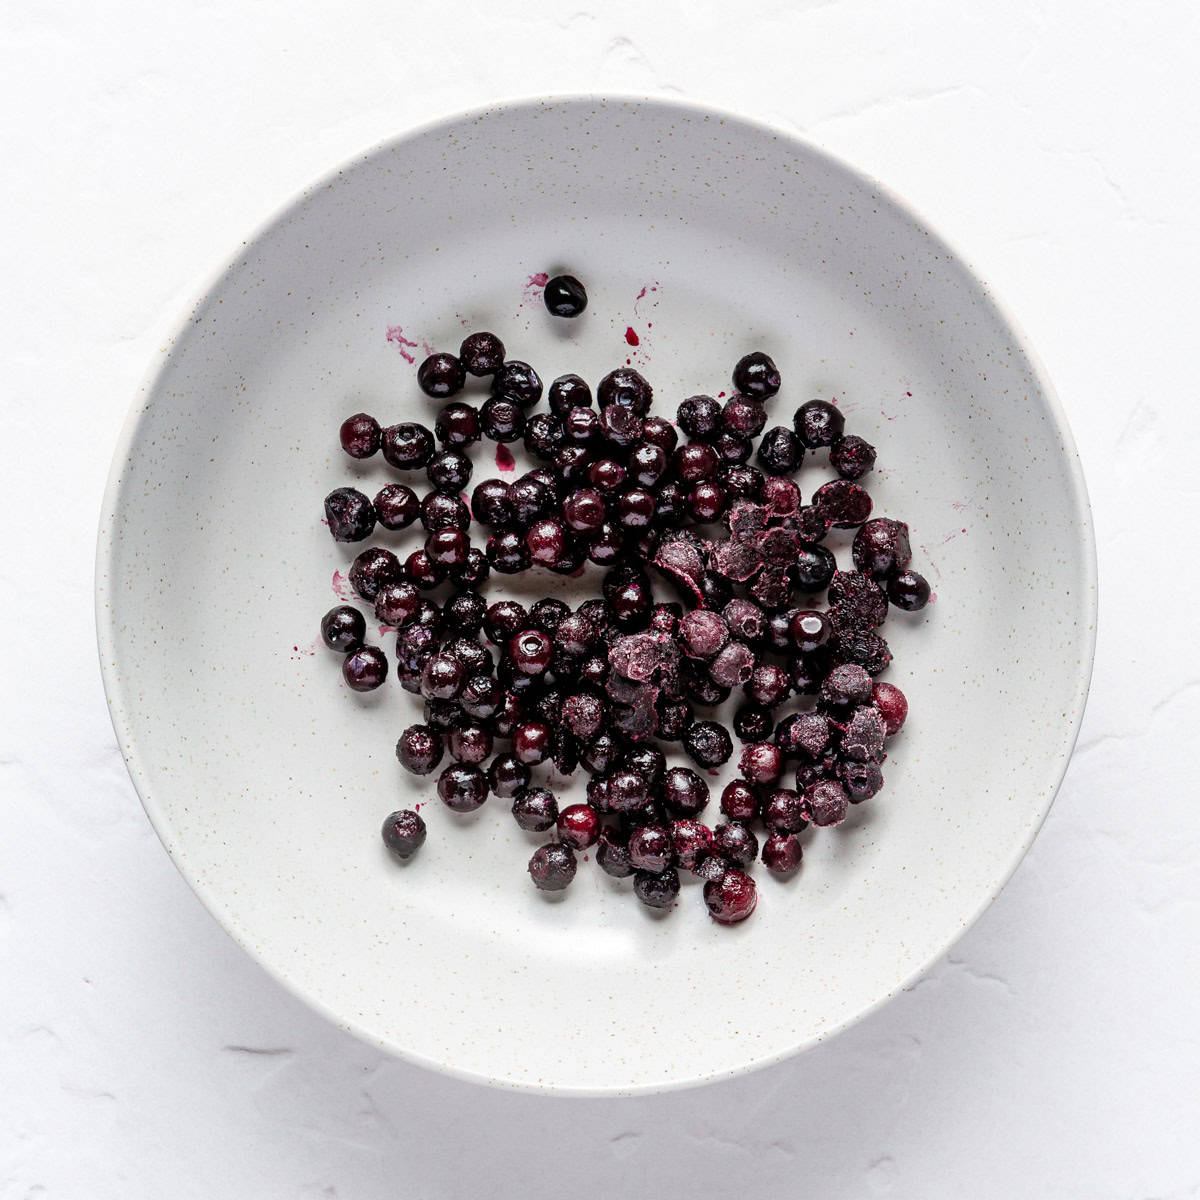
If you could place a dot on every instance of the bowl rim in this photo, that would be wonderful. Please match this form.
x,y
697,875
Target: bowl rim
x,y
107,639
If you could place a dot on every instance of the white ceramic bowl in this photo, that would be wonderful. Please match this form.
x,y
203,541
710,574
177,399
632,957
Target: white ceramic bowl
x,y
707,236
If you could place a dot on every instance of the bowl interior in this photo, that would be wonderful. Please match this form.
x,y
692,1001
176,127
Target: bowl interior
x,y
701,238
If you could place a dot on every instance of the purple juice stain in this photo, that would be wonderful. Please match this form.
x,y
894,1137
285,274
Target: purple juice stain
x,y
631,337
504,459
342,589
395,335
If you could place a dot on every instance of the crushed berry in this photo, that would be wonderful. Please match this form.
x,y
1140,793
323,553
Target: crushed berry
x,y
851,457
350,514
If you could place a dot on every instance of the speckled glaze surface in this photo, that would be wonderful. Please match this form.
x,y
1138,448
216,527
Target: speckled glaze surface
x,y
703,236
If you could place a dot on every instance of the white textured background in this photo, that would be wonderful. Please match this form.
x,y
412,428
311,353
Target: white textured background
x,y
1055,1052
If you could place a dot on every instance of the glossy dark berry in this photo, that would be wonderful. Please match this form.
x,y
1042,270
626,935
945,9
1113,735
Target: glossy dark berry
x,y
422,570
404,833
530,499
580,427
365,668
818,423
812,568
501,419
481,354
531,742
519,382
650,848
407,446
735,841
543,435
761,763
371,569
756,375
851,457
647,464
715,590
620,426
530,651
656,890
552,866
881,548
684,793
627,791
707,501
534,809
753,723
441,375
490,504
442,511
892,705
360,435
506,553
731,898
780,452
578,826
744,416
503,619
739,801
691,841
396,603
447,548
782,853
471,744
732,449
442,677
545,541
565,296
568,392
699,417
584,510
694,462
508,777
741,482
449,471
396,505
909,591
612,853
350,514
473,571
462,788
660,432
810,630
475,658
626,387
413,646
343,628
509,715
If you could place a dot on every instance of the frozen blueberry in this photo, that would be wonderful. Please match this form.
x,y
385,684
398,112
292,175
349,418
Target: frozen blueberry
x,y
565,296
371,569
881,547
780,451
892,705
730,898
519,382
404,833
626,387
818,423
650,848
462,788
552,866
397,506
343,628
909,591
826,800
783,811
359,435
782,853
568,392
350,514
843,503
440,375
851,457
481,354
578,826
365,668
612,853
407,446
656,890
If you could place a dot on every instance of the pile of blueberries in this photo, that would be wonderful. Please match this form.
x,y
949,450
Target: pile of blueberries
x,y
712,567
